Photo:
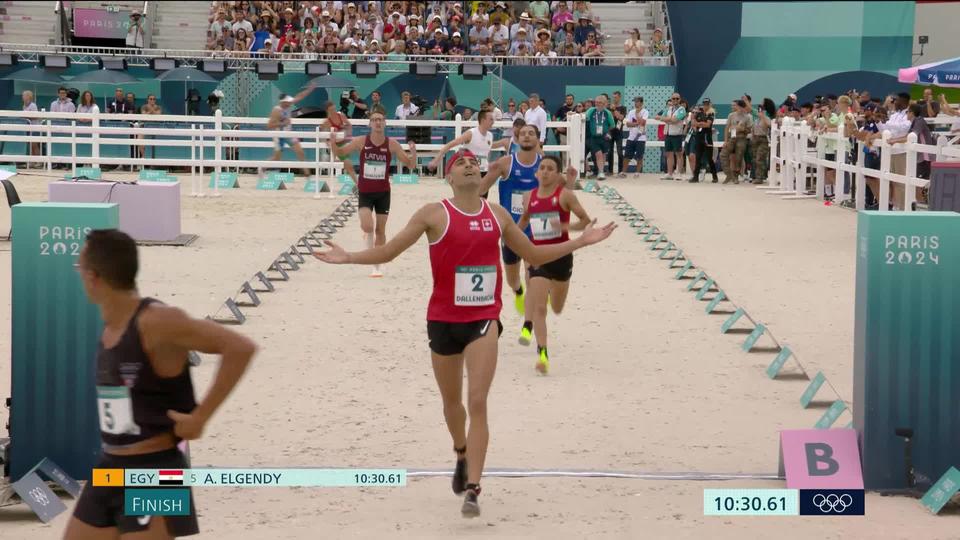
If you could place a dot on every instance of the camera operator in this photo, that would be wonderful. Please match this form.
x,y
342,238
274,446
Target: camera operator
x,y
359,106
135,32
703,118
412,107
406,107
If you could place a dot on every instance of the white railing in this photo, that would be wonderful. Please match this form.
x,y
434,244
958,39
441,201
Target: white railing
x,y
146,53
791,161
203,134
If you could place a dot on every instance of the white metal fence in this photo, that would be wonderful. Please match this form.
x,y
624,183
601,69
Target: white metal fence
x,y
208,140
798,171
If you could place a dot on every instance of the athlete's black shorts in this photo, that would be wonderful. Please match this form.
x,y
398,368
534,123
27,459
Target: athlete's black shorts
x,y
558,270
378,202
103,506
447,338
509,257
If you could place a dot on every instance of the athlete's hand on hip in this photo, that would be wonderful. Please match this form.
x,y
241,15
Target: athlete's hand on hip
x,y
187,426
336,254
592,235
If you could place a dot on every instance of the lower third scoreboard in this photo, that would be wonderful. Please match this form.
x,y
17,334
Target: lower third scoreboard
x,y
250,477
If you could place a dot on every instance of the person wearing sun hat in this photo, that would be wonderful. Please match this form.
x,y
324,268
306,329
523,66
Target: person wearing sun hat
x,y
524,22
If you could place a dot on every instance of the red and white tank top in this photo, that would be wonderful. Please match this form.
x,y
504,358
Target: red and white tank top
x,y
465,261
545,216
374,174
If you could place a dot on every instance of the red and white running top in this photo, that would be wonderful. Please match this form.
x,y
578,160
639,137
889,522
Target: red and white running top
x,y
465,261
544,213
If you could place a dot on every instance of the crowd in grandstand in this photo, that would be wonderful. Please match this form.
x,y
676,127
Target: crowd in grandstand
x,y
538,33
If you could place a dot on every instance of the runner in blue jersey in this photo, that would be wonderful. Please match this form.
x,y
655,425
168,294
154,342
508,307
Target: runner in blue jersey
x,y
517,174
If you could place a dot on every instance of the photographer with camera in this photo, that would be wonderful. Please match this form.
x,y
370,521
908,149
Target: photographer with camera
x,y
702,127
406,107
135,33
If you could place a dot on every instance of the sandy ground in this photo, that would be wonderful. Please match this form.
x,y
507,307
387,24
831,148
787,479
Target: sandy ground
x,y
642,380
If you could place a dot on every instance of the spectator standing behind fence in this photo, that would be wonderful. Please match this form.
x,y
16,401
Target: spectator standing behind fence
x,y
135,34
87,104
561,115
599,123
30,106
898,124
703,134
919,127
739,124
636,122
406,108
673,135
633,47
536,116
63,103
929,106
659,47
761,139
946,109
616,135
119,104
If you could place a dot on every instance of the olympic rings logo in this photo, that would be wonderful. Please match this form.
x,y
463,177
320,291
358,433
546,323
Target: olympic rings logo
x,y
832,502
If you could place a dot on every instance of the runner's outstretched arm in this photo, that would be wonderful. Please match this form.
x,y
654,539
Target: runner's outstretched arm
x,y
538,255
408,158
353,146
408,236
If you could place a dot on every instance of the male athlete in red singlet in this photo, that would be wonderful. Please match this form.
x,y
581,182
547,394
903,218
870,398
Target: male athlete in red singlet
x,y
339,123
376,152
464,234
547,210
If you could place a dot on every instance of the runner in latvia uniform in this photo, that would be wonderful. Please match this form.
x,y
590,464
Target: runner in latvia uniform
x,y
144,392
465,232
547,210
373,184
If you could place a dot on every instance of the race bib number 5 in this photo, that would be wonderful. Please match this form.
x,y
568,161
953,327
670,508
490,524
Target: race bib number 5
x,y
475,286
375,170
116,410
516,203
546,226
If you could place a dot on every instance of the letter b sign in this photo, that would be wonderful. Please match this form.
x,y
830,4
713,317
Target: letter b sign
x,y
819,459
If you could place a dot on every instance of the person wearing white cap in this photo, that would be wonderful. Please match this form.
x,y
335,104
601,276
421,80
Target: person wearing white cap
x,y
524,23
280,121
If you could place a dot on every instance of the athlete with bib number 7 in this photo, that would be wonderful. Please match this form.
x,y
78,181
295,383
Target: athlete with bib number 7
x,y
547,210
464,233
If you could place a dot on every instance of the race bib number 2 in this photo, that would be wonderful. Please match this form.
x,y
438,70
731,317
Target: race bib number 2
x,y
475,285
116,410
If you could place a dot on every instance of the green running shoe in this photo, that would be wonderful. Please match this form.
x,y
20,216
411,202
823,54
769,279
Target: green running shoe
x,y
525,336
543,363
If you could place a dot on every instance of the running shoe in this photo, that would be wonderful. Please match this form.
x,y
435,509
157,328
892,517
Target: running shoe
x,y
601,176
518,302
471,507
543,363
460,477
525,336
